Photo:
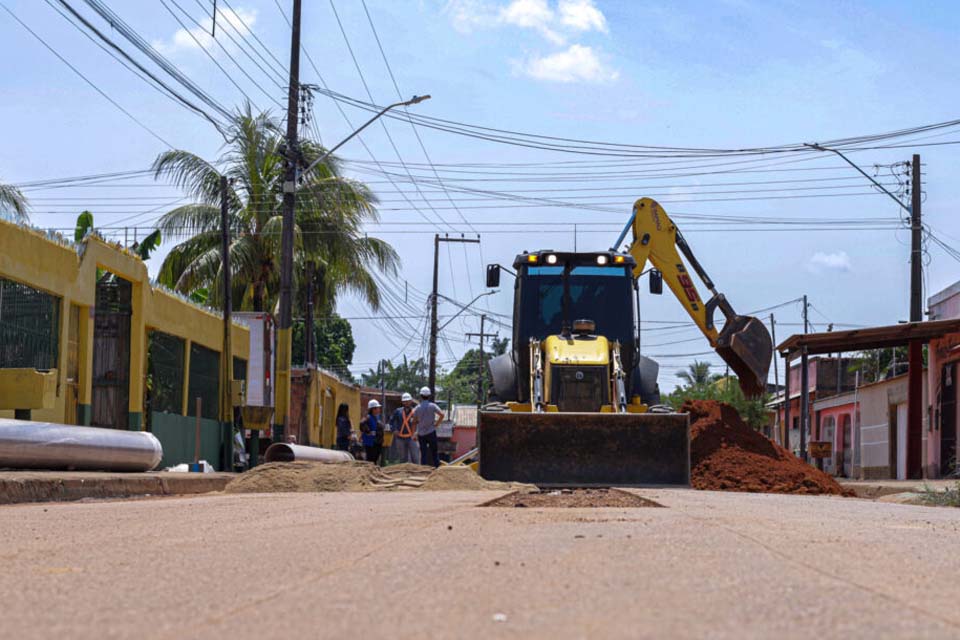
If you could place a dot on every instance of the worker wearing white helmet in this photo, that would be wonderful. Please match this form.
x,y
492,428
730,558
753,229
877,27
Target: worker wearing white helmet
x,y
372,429
406,448
425,418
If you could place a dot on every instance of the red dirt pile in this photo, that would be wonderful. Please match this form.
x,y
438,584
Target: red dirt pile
x,y
728,455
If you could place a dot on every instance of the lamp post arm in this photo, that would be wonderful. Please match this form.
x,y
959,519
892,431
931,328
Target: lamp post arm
x,y
329,152
862,172
462,308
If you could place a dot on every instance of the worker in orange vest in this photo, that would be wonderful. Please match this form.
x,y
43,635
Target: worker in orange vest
x,y
404,433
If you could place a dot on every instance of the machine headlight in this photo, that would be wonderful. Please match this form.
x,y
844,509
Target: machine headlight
x,y
551,259
602,260
532,258
619,259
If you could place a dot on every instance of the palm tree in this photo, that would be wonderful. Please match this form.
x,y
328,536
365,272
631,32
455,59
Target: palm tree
x,y
13,201
697,374
331,212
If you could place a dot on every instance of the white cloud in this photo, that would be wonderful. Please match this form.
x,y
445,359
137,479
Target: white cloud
x,y
578,63
240,21
466,15
532,14
555,21
582,15
836,261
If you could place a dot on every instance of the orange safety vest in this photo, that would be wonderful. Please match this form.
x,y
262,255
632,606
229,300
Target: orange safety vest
x,y
405,430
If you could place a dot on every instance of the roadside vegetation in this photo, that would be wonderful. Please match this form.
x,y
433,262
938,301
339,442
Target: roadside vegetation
x,y
948,497
700,384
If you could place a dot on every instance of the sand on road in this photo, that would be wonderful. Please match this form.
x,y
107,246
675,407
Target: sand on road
x,y
435,565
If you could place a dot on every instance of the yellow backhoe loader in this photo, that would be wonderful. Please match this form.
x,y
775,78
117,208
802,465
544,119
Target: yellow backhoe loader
x,y
577,404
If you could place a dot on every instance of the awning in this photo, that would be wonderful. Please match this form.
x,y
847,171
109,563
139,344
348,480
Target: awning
x,y
870,338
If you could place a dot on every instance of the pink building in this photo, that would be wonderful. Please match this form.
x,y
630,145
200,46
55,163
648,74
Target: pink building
x,y
464,419
942,357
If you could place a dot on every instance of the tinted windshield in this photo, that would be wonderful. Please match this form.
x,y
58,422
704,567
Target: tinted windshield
x,y
601,294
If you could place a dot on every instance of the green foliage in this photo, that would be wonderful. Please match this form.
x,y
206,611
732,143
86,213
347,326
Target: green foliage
x,y
333,337
875,364
723,389
949,497
148,245
408,376
330,217
13,203
460,383
84,226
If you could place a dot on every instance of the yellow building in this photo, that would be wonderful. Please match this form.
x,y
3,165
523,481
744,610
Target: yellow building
x,y
119,352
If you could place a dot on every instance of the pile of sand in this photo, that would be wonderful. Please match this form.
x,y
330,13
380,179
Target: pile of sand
x,y
308,477
283,477
728,455
459,478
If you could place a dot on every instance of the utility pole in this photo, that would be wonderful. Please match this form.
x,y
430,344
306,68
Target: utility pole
x,y
226,382
915,347
481,377
309,337
776,378
916,250
284,346
434,328
806,306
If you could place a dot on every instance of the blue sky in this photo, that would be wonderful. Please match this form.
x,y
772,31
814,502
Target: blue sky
x,y
726,74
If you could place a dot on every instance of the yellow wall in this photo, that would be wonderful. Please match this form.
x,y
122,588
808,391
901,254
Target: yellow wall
x,y
332,392
70,273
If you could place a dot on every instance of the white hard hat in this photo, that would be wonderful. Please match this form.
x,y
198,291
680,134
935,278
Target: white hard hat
x,y
425,392
406,398
373,404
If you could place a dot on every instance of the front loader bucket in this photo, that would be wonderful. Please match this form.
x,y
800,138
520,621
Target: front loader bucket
x,y
585,449
745,345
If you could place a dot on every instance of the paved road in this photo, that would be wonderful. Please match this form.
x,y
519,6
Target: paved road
x,y
433,565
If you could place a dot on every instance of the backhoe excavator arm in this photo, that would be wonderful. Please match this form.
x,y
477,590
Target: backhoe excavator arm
x,y
743,342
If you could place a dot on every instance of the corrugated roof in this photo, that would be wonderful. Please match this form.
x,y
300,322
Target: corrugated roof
x,y
870,338
464,415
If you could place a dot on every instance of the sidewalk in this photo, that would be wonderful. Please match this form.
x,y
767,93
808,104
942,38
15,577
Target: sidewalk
x,y
873,489
55,486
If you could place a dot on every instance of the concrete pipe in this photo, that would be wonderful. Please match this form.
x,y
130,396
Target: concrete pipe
x,y
27,444
283,452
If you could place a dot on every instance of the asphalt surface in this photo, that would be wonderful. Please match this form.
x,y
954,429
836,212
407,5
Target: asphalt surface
x,y
434,565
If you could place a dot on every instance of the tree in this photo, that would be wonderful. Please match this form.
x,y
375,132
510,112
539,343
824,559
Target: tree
x,y
702,385
333,337
13,203
331,211
143,248
875,364
407,377
460,383
697,374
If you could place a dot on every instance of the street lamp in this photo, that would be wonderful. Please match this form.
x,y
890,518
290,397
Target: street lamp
x,y
462,308
284,330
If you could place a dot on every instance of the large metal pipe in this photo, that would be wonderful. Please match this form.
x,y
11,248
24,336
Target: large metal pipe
x,y
283,452
26,444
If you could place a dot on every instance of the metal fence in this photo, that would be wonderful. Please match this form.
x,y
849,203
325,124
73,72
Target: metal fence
x,y
204,382
165,364
29,327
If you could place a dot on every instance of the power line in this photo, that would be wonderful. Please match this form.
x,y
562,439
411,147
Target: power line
x,y
85,78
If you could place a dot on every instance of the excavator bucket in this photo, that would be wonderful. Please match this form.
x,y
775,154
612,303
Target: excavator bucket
x,y
745,345
585,449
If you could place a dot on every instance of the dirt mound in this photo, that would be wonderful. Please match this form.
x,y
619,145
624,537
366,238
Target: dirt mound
x,y
572,498
728,455
459,478
282,477
407,467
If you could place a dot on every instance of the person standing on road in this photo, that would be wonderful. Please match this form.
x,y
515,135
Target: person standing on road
x,y
425,419
372,429
343,427
404,435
